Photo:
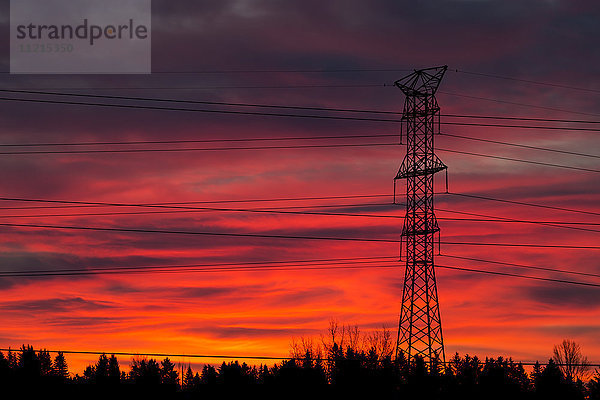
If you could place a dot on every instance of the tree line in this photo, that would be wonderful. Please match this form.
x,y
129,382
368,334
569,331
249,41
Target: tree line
x,y
343,361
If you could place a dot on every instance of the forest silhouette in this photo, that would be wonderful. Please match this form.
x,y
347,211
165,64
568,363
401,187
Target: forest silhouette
x,y
343,364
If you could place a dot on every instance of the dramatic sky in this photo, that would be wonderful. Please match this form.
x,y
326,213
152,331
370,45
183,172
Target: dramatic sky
x,y
334,54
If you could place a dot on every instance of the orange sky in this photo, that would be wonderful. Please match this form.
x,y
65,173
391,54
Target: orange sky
x,y
260,312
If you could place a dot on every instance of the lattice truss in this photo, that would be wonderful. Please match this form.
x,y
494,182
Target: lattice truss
x,y
420,327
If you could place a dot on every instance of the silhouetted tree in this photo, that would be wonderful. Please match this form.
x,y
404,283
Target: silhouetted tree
x,y
233,373
89,374
60,368
114,371
188,379
573,364
101,370
594,386
4,369
145,372
552,384
197,381
12,359
168,374
45,362
29,364
209,375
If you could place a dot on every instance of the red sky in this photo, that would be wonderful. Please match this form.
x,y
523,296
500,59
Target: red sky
x,y
259,312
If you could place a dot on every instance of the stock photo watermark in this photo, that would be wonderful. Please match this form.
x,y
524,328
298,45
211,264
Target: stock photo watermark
x,y
80,37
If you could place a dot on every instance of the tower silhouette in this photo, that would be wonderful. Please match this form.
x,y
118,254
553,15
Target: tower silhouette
x,y
420,327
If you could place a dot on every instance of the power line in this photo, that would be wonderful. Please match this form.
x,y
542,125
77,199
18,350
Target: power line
x,y
122,353
239,267
185,141
176,232
522,203
524,221
173,355
537,278
563,271
117,151
205,87
237,112
323,263
533,245
138,142
556,85
281,106
524,146
231,112
468,153
198,149
178,206
518,104
203,209
277,236
279,70
489,218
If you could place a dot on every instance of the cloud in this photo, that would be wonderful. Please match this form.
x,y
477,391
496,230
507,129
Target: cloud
x,y
230,332
55,305
565,296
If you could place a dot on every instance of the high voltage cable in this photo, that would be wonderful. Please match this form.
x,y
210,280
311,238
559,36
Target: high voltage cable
x,y
556,85
297,138
262,147
174,355
525,146
212,266
286,268
522,203
84,352
522,221
265,265
176,205
235,112
281,106
518,104
127,151
121,353
468,153
279,70
276,210
537,278
277,236
489,218
205,87
197,149
204,270
201,209
562,271
184,141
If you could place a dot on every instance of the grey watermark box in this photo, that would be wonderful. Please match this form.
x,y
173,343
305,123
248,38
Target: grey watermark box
x,y
80,36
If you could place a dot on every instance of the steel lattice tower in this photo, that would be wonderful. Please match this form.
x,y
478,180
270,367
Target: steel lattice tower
x,y
420,327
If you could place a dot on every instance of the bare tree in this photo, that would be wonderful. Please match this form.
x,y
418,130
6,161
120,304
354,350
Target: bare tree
x,y
380,342
573,364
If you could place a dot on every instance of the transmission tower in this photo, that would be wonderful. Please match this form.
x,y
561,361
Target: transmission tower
x,y
420,327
